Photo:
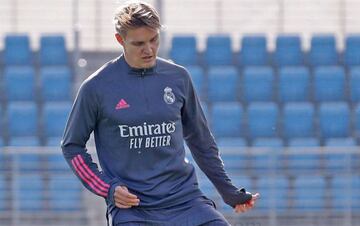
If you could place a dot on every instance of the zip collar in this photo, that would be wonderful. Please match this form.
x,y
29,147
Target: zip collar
x,y
137,71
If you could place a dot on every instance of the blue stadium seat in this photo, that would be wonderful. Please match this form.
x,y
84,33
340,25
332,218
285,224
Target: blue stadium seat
x,y
19,83
17,50
227,119
24,141
294,84
334,120
3,193
329,83
253,50
262,119
218,50
323,50
28,162
304,142
350,186
183,50
258,84
354,84
338,161
298,120
57,163
53,50
29,190
1,125
22,119
231,142
70,189
55,83
235,162
356,120
268,142
55,115
288,51
269,187
309,193
222,83
352,50
198,77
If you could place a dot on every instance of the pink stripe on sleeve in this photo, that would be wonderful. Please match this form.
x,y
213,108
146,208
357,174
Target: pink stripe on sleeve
x,y
89,171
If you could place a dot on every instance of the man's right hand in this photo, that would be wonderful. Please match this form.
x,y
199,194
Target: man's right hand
x,y
124,199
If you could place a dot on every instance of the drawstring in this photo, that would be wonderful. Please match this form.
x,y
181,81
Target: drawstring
x,y
107,216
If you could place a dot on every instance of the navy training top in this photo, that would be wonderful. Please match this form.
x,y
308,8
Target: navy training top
x,y
140,118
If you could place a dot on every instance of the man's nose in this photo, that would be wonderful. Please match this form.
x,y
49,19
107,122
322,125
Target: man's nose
x,y
148,48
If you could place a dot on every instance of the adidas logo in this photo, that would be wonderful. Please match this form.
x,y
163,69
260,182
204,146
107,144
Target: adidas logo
x,y
122,104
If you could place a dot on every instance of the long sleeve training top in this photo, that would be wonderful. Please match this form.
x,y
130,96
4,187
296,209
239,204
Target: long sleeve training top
x,y
140,118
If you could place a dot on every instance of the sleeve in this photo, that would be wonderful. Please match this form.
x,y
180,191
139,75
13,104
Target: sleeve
x,y
81,122
204,149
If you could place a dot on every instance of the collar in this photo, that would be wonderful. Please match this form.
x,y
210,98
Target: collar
x,y
137,71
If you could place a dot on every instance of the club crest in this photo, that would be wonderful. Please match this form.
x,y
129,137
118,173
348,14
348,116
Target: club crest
x,y
169,96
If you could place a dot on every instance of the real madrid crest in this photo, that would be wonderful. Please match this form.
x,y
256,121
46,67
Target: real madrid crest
x,y
169,96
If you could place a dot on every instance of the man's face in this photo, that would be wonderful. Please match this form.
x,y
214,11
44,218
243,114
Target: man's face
x,y
141,46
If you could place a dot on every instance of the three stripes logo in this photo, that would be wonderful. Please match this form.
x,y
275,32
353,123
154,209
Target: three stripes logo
x,y
122,104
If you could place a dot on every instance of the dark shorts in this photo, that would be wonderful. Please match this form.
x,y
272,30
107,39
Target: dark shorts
x,y
200,211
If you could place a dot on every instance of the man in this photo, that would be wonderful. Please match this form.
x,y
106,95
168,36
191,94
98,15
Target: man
x,y
141,108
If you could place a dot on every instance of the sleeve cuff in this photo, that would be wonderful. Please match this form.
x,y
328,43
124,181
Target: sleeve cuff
x,y
110,196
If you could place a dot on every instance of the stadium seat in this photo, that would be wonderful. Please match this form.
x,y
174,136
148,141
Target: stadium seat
x,y
268,142
24,141
354,84
28,162
55,83
288,51
227,119
17,50
235,162
258,84
348,185
269,187
70,189
334,120
323,50
57,163
231,142
222,83
337,161
262,119
3,193
253,50
218,50
303,142
356,120
19,83
22,119
298,120
198,77
55,115
183,50
352,50
294,84
53,50
309,193
329,83
29,190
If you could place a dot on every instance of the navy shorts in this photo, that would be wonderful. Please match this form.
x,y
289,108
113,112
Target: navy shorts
x,y
198,212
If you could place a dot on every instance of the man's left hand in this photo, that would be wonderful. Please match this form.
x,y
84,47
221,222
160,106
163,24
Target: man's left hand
x,y
242,208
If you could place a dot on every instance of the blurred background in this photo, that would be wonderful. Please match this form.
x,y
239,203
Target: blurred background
x,y
279,82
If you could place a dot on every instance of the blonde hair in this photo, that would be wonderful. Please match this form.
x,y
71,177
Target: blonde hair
x,y
133,15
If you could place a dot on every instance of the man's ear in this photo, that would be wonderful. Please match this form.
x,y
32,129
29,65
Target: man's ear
x,y
119,39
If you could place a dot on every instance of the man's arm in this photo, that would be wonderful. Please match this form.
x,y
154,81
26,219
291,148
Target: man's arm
x,y
205,151
80,124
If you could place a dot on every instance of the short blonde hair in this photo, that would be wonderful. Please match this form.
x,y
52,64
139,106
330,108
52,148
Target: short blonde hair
x,y
133,15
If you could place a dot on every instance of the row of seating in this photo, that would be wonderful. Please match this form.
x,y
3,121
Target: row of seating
x,y
25,124
22,83
294,120
254,51
306,193
32,192
52,51
262,83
